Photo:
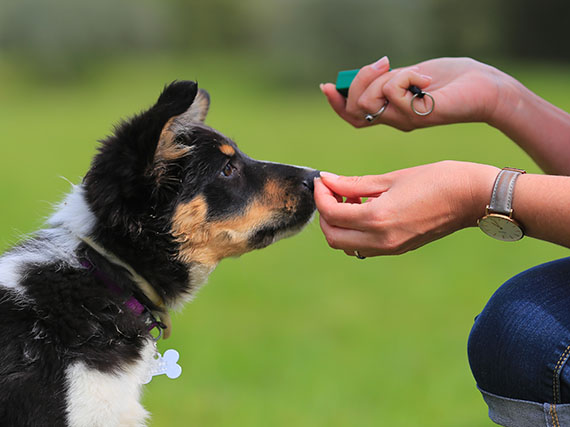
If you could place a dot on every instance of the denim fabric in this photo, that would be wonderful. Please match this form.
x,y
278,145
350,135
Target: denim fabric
x,y
520,343
522,413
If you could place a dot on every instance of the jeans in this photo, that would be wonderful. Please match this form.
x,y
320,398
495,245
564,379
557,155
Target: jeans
x,y
520,345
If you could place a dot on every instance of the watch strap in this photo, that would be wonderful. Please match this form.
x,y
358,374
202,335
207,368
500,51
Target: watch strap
x,y
503,189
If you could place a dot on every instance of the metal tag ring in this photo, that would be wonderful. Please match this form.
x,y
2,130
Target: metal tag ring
x,y
157,337
419,113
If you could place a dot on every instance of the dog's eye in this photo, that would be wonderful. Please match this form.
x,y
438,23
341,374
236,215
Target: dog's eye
x,y
228,170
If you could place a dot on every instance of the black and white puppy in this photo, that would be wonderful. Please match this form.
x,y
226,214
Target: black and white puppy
x,y
166,198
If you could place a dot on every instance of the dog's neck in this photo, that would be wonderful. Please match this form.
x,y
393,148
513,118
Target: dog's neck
x,y
144,286
175,282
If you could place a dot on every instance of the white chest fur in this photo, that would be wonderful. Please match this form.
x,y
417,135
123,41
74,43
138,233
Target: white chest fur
x,y
96,399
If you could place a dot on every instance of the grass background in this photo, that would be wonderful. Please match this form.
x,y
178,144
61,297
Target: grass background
x,y
296,334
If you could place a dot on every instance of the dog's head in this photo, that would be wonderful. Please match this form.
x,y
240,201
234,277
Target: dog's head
x,y
170,193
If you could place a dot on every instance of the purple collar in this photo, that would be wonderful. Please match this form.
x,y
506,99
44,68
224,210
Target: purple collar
x,y
132,304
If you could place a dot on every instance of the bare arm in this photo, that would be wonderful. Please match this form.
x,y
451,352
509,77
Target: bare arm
x,y
465,90
411,207
538,127
542,204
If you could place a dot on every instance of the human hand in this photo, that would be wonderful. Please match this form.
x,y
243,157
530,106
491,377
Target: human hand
x,y
405,209
464,91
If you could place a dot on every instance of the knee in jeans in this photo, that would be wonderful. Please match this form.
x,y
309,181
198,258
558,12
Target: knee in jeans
x,y
495,344
516,337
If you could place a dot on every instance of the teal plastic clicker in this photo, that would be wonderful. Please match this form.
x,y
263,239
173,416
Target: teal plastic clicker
x,y
344,79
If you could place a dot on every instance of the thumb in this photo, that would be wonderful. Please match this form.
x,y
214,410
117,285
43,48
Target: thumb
x,y
335,99
355,186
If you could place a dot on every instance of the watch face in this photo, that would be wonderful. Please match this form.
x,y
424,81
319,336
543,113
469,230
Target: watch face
x,y
501,227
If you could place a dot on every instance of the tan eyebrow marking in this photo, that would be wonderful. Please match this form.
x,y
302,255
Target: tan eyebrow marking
x,y
227,149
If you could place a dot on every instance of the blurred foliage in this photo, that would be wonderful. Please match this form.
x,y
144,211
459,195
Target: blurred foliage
x,y
60,38
298,39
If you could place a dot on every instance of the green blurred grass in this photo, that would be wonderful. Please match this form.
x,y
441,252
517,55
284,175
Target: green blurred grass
x,y
296,334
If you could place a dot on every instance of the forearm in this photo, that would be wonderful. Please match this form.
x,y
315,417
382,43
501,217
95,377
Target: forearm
x,y
541,203
538,127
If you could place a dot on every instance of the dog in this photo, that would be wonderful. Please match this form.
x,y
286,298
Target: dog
x,y
81,303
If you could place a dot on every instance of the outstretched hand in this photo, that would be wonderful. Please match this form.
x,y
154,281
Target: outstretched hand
x,y
404,209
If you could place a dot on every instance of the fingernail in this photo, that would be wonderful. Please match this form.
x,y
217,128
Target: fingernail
x,y
381,63
321,86
328,175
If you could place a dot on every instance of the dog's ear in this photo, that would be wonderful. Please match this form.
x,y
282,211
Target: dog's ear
x,y
196,112
122,181
184,103
170,148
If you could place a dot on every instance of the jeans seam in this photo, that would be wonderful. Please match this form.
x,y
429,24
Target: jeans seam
x,y
556,385
554,415
556,374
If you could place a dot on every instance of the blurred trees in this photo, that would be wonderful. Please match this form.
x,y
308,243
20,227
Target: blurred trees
x,y
59,37
300,39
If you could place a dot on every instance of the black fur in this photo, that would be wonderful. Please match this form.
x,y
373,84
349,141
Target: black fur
x,y
74,317
61,312
123,194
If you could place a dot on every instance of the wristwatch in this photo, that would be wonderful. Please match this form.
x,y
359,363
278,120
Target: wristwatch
x,y
498,221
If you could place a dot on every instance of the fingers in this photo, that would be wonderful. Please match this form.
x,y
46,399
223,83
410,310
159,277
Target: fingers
x,y
396,89
389,90
376,86
372,98
335,99
393,87
356,186
337,213
345,239
365,76
350,241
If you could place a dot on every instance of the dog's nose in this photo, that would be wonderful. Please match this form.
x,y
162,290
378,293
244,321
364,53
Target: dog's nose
x,y
308,181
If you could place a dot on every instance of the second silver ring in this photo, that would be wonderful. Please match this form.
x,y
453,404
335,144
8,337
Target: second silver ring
x,y
371,117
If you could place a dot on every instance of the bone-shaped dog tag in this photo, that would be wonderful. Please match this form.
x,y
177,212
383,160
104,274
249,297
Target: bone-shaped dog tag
x,y
165,365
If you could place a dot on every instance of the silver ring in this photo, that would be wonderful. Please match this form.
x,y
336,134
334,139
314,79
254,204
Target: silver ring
x,y
371,117
357,254
419,113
